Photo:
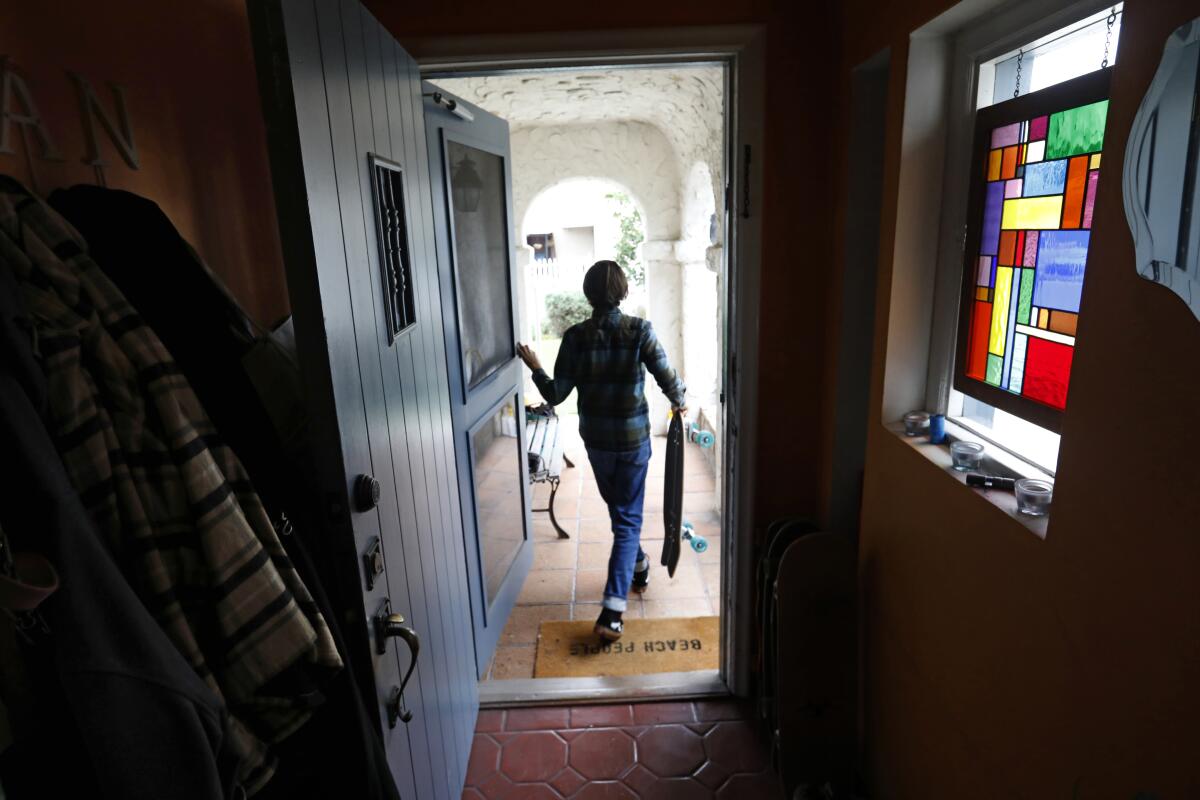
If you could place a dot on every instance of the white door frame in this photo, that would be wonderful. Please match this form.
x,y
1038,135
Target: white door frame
x,y
742,49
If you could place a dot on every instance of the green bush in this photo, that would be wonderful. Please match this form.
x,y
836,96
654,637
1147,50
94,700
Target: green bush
x,y
563,310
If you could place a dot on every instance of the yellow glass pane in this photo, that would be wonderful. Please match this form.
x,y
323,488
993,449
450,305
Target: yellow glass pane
x,y
1032,213
1004,276
981,293
994,160
1043,318
1095,161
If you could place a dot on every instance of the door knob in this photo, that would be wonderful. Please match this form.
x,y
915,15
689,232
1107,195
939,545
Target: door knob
x,y
366,492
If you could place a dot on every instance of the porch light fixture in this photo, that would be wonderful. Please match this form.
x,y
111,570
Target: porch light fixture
x,y
467,186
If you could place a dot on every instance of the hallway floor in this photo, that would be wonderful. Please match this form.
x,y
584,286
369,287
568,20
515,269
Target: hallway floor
x,y
658,751
568,575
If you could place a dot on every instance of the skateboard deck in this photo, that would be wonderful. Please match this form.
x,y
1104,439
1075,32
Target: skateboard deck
x,y
673,496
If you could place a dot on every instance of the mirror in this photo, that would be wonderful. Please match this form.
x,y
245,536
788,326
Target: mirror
x,y
1161,164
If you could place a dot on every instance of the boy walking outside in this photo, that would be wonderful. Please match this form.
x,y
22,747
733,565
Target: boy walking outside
x,y
602,357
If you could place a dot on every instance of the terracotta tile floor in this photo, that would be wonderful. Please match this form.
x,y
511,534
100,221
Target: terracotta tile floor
x,y
658,751
568,575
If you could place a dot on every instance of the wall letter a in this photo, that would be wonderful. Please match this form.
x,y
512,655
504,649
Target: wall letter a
x,y
12,90
121,132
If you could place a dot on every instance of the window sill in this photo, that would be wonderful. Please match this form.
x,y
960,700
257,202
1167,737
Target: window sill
x,y
996,462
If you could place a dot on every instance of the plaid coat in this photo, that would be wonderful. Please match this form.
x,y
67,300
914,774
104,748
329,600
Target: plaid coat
x,y
174,503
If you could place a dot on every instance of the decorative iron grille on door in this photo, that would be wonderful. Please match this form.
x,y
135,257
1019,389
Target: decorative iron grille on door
x,y
387,178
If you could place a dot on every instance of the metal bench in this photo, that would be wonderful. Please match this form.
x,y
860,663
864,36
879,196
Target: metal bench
x,y
544,445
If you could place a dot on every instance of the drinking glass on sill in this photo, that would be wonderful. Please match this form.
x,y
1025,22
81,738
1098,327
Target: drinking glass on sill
x,y
966,456
1034,496
916,423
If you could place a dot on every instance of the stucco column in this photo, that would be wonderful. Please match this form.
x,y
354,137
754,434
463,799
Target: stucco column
x,y
664,290
526,295
701,325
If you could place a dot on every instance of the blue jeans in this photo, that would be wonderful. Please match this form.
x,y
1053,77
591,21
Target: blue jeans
x,y
621,478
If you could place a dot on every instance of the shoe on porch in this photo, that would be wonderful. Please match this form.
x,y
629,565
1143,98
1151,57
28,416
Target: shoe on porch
x,y
609,626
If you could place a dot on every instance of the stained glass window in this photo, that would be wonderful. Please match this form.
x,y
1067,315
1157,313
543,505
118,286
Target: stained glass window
x,y
1037,167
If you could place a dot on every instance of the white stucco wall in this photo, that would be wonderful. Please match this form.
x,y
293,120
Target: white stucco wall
x,y
635,155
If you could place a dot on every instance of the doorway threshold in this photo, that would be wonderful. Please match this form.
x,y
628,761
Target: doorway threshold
x,y
525,692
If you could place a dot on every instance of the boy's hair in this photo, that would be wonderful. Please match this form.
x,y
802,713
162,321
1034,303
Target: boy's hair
x,y
604,285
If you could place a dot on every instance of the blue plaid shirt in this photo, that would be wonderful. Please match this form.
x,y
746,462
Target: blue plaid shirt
x,y
603,357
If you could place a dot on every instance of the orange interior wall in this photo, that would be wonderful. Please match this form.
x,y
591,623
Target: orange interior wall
x,y
999,665
797,248
193,102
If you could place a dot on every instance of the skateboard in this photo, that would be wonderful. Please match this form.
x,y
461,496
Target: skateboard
x,y
678,529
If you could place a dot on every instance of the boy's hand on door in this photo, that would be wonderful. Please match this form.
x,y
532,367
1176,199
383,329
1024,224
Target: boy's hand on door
x,y
529,357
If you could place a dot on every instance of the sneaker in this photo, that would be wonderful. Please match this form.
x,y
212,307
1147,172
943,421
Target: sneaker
x,y
641,580
609,626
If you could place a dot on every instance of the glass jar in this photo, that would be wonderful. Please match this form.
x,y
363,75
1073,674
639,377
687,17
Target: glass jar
x,y
1034,496
966,456
916,423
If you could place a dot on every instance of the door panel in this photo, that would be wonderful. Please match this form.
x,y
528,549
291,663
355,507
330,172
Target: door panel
x,y
337,91
472,197
436,383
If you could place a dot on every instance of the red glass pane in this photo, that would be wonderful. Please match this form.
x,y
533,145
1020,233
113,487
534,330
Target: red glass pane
x,y
1047,370
981,323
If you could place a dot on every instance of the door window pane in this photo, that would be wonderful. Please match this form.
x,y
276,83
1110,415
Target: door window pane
x,y
481,253
499,494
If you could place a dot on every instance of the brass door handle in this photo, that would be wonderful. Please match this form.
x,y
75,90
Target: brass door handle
x,y
388,625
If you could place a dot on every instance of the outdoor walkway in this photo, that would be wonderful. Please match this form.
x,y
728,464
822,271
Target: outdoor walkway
x,y
568,576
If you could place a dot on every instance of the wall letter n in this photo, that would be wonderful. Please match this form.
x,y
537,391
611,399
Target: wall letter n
x,y
120,132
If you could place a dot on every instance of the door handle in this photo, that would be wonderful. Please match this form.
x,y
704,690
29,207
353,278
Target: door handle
x,y
388,625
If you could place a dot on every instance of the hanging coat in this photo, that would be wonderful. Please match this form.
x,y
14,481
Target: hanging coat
x,y
250,385
171,500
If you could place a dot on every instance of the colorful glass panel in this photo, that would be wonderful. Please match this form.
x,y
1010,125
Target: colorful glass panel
x,y
1038,207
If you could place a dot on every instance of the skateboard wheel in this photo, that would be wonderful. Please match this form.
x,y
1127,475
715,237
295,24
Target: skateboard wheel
x,y
699,543
703,438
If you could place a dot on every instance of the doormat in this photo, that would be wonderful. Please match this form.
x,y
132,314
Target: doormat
x,y
677,644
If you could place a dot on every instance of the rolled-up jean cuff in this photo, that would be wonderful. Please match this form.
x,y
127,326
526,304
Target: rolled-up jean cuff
x,y
615,603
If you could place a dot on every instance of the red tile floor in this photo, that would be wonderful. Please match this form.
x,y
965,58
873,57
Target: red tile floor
x,y
657,751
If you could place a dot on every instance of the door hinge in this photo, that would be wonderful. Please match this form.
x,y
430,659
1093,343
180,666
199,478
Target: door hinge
x,y
746,181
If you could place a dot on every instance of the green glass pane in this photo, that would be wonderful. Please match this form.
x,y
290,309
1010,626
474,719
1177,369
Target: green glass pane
x,y
995,369
1025,300
1076,131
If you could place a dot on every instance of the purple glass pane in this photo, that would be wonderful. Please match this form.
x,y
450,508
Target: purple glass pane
x,y
993,206
1089,205
1009,134
1037,128
984,275
1031,241
1012,188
